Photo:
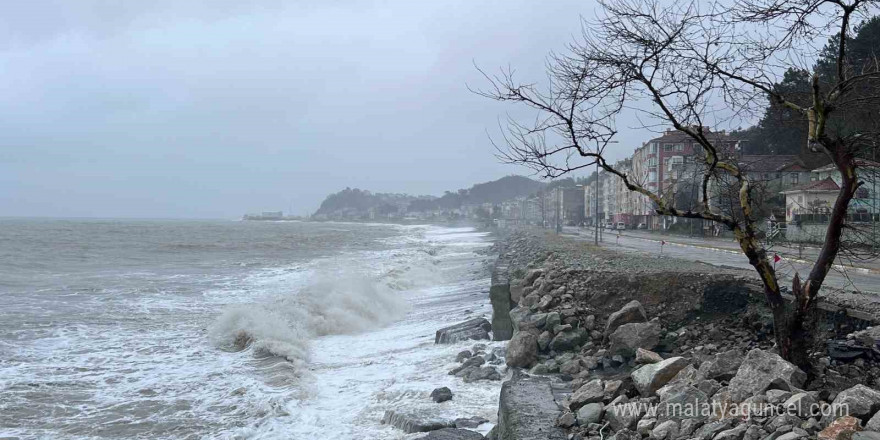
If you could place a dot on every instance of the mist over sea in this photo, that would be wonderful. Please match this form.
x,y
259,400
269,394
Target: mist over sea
x,y
223,329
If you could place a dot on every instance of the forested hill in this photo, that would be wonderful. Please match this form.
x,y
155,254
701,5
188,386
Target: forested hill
x,y
362,200
496,191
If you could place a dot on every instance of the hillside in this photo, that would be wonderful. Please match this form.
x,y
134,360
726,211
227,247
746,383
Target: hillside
x,y
356,201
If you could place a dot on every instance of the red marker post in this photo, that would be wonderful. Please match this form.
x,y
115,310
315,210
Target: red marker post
x,y
776,258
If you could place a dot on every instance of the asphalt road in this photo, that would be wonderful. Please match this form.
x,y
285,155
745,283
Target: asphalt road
x,y
864,278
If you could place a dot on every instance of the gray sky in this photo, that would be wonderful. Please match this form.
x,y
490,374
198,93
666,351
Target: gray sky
x,y
216,108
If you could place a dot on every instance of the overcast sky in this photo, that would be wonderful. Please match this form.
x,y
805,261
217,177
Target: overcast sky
x,y
216,108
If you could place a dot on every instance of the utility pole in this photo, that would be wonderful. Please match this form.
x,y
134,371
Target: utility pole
x,y
558,210
597,204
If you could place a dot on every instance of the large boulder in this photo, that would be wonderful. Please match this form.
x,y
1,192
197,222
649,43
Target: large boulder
x,y
499,297
627,338
476,328
624,415
590,392
859,401
590,413
522,350
527,410
650,378
410,423
531,276
440,395
483,373
722,367
681,401
762,370
567,340
453,434
629,313
874,423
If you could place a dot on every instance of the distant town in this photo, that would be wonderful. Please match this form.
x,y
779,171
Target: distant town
x,y
797,192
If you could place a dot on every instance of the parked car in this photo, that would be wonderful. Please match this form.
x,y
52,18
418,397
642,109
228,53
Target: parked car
x,y
621,225
642,226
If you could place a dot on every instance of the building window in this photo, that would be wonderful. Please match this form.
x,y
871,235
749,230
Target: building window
x,y
793,178
679,147
667,147
654,147
800,199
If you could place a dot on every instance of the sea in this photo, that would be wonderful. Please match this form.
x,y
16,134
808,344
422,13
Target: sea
x,y
185,329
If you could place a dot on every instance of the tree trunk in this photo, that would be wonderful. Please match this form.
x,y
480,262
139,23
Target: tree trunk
x,y
794,337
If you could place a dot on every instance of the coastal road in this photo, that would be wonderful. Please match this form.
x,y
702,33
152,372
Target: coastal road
x,y
859,277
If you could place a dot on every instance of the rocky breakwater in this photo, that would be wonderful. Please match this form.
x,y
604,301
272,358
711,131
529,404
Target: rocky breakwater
x,y
638,350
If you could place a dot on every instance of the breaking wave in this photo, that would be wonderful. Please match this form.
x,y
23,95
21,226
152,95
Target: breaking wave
x,y
331,304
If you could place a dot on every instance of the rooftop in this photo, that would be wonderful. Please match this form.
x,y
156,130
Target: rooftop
x,y
825,185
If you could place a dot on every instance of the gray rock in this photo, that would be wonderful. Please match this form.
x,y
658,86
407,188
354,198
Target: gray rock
x,y
441,394
566,341
762,370
519,316
531,276
645,426
647,356
790,435
470,422
527,410
463,355
475,361
874,423
590,413
736,433
804,405
866,435
571,367
722,367
859,401
709,386
499,298
544,341
650,378
710,430
553,319
782,420
412,423
484,373
566,420
624,415
629,313
590,392
688,426
453,434
522,350
681,401
665,430
626,434
589,323
629,337
472,329
778,396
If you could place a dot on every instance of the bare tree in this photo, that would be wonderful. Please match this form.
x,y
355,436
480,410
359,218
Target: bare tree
x,y
695,65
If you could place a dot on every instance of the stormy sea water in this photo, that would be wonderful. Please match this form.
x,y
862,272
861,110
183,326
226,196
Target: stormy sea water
x,y
219,329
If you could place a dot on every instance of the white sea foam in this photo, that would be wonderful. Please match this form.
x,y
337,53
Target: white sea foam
x,y
332,304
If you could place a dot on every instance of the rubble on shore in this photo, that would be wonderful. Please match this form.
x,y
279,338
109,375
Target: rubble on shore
x,y
639,341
